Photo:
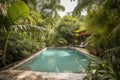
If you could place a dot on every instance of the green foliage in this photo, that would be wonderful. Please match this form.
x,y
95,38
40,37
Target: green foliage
x,y
67,28
62,41
18,9
110,52
102,71
51,8
101,24
3,16
50,24
13,17
104,25
31,3
22,44
86,5
107,69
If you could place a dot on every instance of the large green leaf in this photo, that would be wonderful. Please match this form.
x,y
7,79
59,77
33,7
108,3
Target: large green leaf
x,y
18,9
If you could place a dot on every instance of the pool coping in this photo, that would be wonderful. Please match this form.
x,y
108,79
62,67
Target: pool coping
x,y
85,52
32,75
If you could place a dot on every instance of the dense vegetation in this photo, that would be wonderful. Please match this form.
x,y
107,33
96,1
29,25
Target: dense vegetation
x,y
103,22
67,28
23,32
16,31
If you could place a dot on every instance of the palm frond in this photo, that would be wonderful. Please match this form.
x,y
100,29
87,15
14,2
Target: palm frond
x,y
85,4
26,28
116,29
60,7
51,8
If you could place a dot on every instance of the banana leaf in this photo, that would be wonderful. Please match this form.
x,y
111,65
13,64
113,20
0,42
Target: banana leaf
x,y
17,10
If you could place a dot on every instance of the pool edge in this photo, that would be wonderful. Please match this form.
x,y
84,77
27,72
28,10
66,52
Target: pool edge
x,y
27,59
32,75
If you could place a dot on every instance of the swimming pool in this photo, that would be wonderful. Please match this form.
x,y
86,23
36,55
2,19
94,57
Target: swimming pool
x,y
58,60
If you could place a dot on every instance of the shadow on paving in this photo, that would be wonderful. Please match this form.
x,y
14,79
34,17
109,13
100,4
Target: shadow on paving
x,y
30,75
9,75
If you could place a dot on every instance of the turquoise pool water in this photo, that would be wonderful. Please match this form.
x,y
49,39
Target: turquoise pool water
x,y
58,60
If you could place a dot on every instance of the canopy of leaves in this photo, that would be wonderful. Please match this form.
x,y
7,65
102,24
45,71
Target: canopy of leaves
x,y
104,25
67,27
51,8
18,9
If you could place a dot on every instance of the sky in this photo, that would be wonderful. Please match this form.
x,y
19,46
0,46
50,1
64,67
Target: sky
x,y
69,6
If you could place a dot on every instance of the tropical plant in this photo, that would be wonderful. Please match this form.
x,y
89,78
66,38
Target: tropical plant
x,y
103,23
31,3
12,18
86,5
9,17
50,23
109,67
51,8
67,28
49,11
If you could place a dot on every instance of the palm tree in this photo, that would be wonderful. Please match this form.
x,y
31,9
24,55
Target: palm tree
x,y
31,3
50,24
52,8
49,10
85,5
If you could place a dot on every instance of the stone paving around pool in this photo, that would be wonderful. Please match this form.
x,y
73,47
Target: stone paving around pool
x,y
32,75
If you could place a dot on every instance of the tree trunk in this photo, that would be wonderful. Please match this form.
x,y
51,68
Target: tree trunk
x,y
5,48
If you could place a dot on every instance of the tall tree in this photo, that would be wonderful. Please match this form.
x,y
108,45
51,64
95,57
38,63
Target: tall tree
x,y
52,7
86,5
50,23
49,11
